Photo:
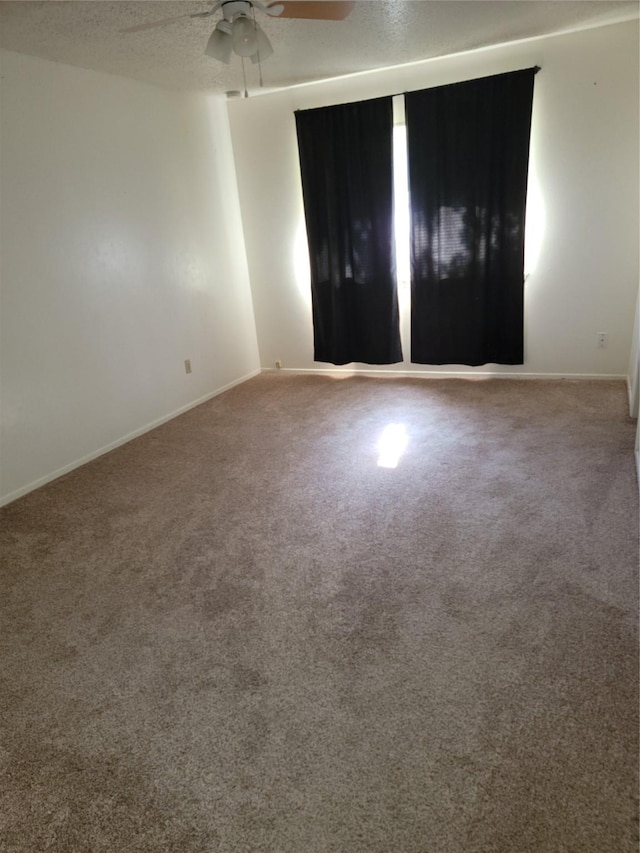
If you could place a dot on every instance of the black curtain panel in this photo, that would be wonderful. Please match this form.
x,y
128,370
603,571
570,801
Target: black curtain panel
x,y
347,182
468,155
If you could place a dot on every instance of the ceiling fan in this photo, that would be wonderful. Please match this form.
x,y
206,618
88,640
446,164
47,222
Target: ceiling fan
x,y
238,31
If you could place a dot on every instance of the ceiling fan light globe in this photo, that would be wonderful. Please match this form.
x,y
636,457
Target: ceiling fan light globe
x,y
220,45
264,49
245,37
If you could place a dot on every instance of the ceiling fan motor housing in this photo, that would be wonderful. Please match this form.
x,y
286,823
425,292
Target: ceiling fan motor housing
x,y
231,9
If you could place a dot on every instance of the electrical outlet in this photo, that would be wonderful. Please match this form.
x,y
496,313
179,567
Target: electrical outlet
x,y
602,340
278,364
187,365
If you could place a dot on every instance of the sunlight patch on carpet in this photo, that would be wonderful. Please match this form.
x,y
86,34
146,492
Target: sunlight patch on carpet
x,y
391,445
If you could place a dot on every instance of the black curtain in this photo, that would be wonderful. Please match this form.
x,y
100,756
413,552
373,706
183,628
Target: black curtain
x,y
347,182
468,155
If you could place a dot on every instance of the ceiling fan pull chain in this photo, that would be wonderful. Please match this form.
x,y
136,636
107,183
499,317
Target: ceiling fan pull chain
x,y
255,24
244,77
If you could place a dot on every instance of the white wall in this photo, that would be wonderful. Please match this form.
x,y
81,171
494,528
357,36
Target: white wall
x,y
122,256
584,170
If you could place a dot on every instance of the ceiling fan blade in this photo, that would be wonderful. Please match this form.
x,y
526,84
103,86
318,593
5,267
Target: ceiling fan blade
x,y
163,22
273,9
319,10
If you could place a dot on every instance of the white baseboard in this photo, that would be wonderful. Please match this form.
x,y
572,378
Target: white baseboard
x,y
60,472
444,374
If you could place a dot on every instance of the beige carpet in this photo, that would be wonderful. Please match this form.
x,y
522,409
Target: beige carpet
x,y
239,633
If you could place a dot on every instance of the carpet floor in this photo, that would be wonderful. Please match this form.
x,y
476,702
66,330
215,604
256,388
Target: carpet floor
x,y
240,632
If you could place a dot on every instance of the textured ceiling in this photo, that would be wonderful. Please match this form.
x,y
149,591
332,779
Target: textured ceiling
x,y
378,33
